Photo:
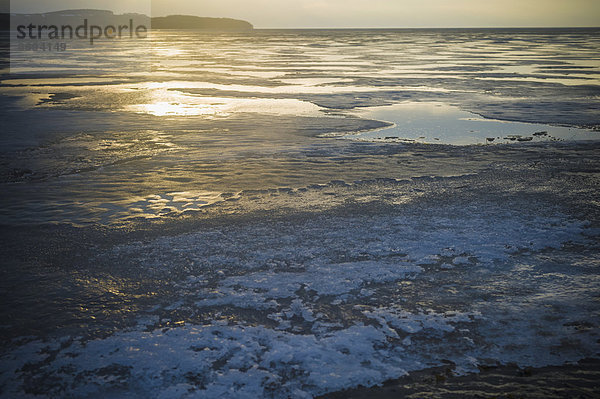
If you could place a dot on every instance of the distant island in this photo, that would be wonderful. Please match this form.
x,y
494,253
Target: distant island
x,y
75,17
201,23
105,17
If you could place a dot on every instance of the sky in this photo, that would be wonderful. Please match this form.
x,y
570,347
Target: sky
x,y
355,13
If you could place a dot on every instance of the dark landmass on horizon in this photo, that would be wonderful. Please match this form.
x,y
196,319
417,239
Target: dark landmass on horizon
x,y
105,17
200,23
192,22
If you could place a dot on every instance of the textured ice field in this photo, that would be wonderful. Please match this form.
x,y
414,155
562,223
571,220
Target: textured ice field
x,y
296,308
205,231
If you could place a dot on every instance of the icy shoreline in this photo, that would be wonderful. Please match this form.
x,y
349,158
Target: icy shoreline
x,y
338,297
199,237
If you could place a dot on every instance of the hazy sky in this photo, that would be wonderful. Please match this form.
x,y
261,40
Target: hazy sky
x,y
356,13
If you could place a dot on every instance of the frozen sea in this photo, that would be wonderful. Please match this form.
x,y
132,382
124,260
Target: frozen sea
x,y
284,214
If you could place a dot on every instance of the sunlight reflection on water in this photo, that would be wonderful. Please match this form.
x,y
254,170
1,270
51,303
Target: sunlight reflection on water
x,y
431,122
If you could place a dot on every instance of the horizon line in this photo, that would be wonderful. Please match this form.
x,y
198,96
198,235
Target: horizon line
x,y
326,28
428,27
